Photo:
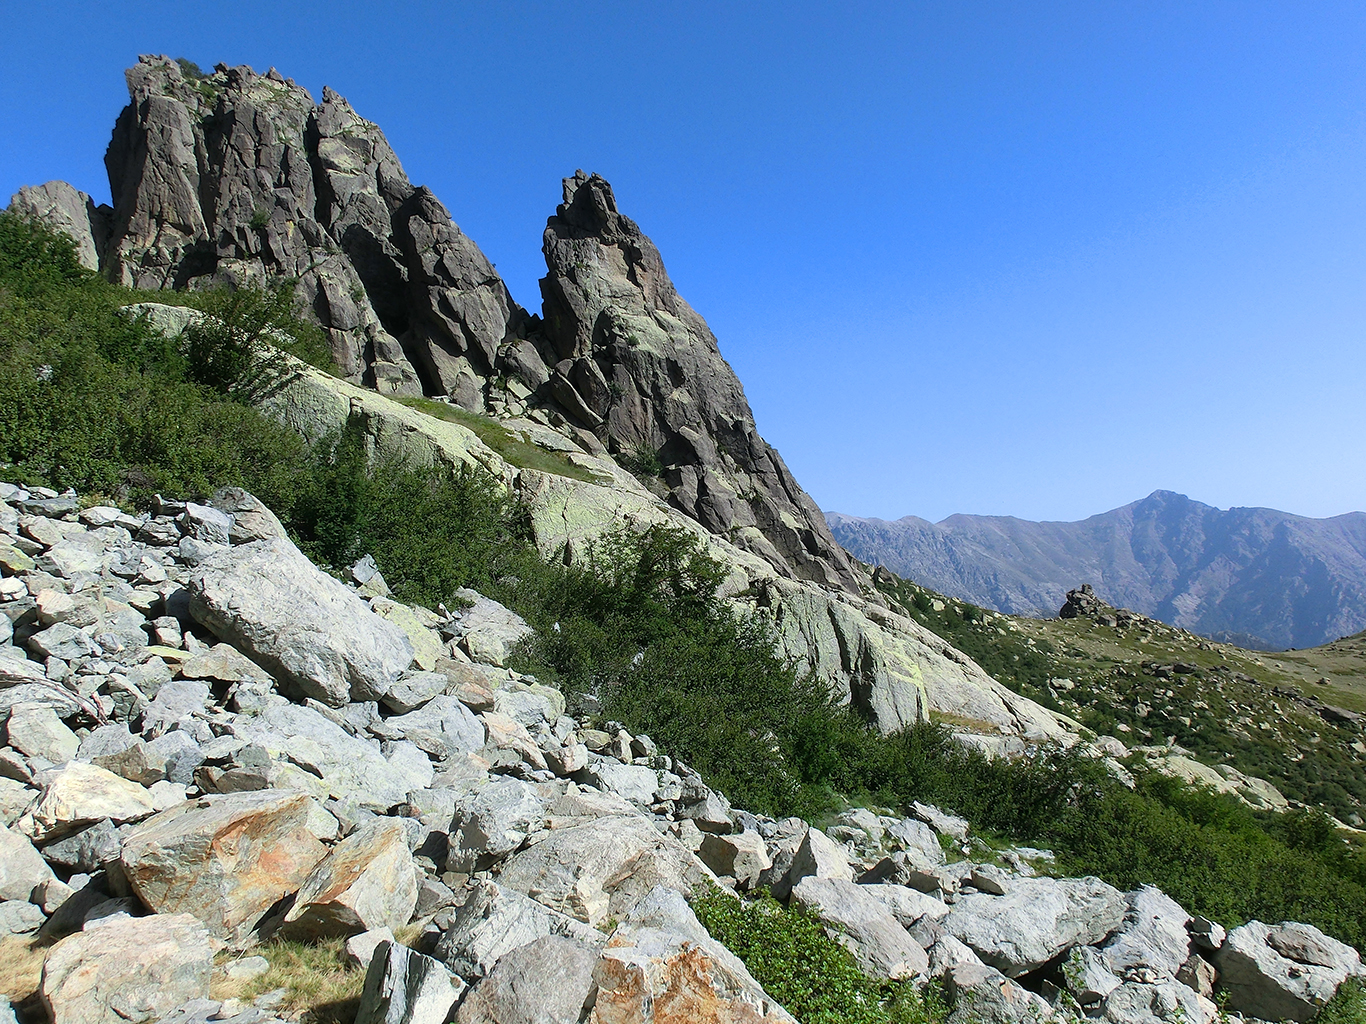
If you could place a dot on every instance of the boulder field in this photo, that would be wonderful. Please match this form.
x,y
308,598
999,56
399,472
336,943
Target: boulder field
x,y
201,755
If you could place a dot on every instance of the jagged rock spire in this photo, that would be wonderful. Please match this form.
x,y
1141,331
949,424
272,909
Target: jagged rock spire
x,y
640,366
242,178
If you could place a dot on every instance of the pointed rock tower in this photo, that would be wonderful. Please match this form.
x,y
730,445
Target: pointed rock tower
x,y
636,364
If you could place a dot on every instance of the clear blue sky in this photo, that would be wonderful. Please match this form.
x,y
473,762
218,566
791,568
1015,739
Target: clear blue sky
x,y
1032,259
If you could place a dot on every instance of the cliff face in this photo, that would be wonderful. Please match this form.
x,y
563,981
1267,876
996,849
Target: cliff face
x,y
242,178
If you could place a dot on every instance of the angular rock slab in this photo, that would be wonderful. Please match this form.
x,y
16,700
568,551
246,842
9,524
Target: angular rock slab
x,y
82,794
661,967
983,995
270,602
600,870
226,859
548,981
368,881
1039,919
22,868
1283,972
494,920
494,823
125,970
1152,942
405,987
880,944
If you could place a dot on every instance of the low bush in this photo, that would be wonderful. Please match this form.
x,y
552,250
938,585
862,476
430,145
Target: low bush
x,y
810,974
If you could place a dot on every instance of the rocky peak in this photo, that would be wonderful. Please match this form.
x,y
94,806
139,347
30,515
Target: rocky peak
x,y
241,178
640,367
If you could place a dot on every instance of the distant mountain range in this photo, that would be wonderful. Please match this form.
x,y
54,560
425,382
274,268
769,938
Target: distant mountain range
x,y
1251,576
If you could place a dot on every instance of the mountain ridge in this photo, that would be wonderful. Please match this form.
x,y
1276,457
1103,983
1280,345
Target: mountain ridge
x,y
1261,576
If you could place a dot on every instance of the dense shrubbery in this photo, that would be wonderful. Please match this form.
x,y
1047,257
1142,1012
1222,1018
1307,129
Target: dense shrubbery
x,y
810,974
92,401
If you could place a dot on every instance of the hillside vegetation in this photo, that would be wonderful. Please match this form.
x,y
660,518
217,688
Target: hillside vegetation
x,y
1285,717
98,403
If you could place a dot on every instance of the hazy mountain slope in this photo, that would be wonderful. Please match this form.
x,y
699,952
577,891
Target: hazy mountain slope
x,y
1252,574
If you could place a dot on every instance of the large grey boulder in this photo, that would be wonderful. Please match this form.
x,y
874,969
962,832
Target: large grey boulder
x,y
494,822
819,856
1036,921
743,856
880,944
444,727
1152,942
226,859
22,868
547,981
1139,1003
661,965
405,987
980,994
1283,972
269,601
601,869
367,881
350,768
126,970
494,920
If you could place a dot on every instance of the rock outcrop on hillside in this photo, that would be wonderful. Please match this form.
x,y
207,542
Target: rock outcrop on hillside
x,y
162,795
238,178
637,362
242,178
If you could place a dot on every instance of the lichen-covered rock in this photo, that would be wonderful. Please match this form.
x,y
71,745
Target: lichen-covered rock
x,y
661,967
495,920
367,881
405,987
547,981
226,859
601,869
1037,920
82,794
22,868
881,945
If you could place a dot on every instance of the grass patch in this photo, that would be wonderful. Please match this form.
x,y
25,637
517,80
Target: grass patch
x,y
1348,1006
316,979
512,449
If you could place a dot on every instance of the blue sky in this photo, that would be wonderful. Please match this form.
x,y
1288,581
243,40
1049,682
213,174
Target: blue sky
x,y
1030,259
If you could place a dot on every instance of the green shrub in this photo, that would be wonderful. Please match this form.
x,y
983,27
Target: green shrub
x,y
811,975
241,347
432,530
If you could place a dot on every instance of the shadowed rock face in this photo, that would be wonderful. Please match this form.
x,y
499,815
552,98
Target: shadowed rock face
x,y
242,178
637,364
